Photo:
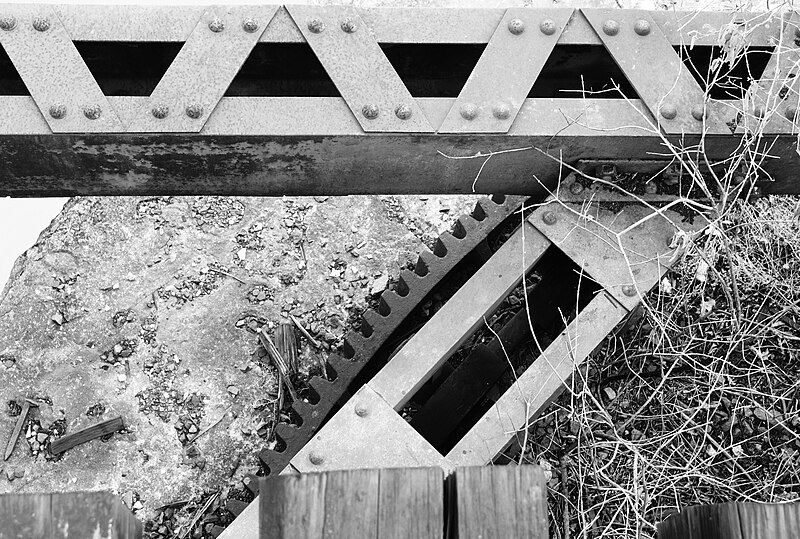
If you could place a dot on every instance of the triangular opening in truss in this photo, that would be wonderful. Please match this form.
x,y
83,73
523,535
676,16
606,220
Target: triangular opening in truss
x,y
128,68
282,70
582,71
722,74
433,70
10,81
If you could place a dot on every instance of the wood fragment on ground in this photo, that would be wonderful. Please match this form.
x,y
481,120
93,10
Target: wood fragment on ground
x,y
278,361
286,343
314,342
23,415
99,430
200,512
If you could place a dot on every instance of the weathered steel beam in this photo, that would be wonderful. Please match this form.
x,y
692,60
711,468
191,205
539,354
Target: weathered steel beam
x,y
182,131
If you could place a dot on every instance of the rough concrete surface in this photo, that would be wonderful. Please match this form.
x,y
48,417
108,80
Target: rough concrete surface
x,y
145,308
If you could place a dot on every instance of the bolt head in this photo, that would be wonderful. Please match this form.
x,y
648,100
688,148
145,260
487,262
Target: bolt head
x,y
791,114
469,111
501,111
759,112
58,111
92,112
699,112
316,25
629,290
216,26
8,23
194,111
611,27
160,111
316,458
516,26
403,111
549,218
349,26
651,188
548,27
370,111
669,112
41,24
361,410
641,27
249,25
576,188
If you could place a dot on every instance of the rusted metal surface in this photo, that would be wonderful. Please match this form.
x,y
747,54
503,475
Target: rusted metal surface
x,y
506,71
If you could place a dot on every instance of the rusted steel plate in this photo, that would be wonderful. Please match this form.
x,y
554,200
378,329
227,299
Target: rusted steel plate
x,y
630,248
539,385
363,75
506,71
189,91
367,433
655,70
62,86
463,313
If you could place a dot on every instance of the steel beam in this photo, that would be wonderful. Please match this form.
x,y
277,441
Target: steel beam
x,y
378,137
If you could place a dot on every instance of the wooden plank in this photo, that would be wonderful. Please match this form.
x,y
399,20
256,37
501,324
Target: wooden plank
x,y
498,502
539,385
25,516
351,504
367,433
99,515
291,506
716,521
463,313
769,521
85,435
410,503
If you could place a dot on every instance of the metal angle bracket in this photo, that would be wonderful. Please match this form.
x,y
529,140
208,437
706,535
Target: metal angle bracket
x,y
656,71
370,86
197,79
54,72
506,71
626,251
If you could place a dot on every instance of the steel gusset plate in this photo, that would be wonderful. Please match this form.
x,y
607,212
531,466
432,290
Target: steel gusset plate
x,y
506,71
656,71
360,70
197,79
379,325
54,72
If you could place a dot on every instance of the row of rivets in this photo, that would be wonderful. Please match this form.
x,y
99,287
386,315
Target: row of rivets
x,y
315,457
670,112
611,27
248,25
316,26
517,27
93,112
469,111
41,24
371,111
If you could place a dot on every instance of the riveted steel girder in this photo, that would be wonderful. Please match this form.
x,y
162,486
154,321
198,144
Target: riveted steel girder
x,y
188,136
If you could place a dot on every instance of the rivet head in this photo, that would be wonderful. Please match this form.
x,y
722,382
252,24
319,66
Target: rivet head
x,y
194,111
611,27
699,112
8,23
316,25
641,27
58,111
160,111
797,31
216,26
791,114
92,112
669,112
361,410
576,188
348,26
629,290
249,25
759,112
469,111
403,112
41,24
501,111
548,27
316,458
370,111
516,26
549,218
650,188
